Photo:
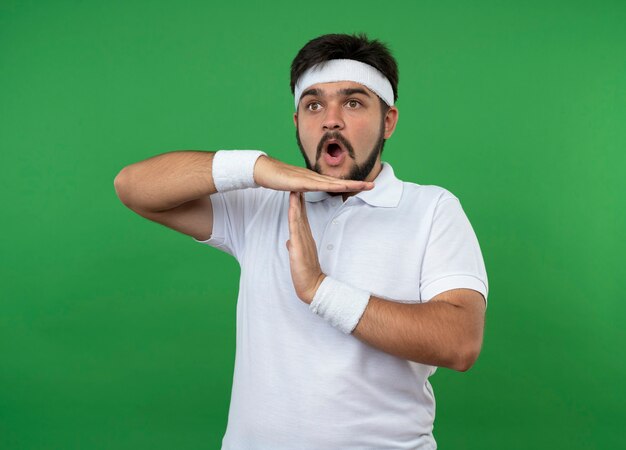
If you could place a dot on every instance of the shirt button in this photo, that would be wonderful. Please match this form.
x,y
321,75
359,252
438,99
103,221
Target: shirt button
x,y
335,222
330,246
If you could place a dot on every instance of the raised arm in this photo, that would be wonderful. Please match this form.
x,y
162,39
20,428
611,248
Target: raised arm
x,y
173,188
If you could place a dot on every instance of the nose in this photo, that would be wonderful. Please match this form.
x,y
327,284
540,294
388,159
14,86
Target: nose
x,y
333,120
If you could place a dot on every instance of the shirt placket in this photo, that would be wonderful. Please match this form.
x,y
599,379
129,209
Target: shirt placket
x,y
332,236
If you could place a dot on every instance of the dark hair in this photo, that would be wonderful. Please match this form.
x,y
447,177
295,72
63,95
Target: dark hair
x,y
346,46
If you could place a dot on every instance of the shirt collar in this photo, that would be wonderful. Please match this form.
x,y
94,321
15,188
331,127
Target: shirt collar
x,y
386,193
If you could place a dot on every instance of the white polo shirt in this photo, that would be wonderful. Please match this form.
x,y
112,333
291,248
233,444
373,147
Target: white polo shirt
x,y
298,382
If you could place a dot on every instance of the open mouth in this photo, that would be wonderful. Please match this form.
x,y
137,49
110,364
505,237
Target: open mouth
x,y
334,153
334,149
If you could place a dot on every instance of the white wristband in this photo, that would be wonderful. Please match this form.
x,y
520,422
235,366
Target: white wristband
x,y
340,304
234,169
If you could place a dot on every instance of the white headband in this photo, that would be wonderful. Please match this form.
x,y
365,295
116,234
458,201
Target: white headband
x,y
345,70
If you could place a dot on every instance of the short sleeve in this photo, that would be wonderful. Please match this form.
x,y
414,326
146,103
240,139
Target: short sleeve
x,y
232,211
452,259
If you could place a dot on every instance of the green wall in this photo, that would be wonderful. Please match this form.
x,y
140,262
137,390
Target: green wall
x,y
118,333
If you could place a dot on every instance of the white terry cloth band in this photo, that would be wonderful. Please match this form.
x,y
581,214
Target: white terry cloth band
x,y
340,304
234,169
345,70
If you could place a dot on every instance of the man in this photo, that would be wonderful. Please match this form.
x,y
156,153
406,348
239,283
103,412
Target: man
x,y
354,285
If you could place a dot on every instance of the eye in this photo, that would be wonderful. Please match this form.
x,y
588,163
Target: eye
x,y
313,106
352,104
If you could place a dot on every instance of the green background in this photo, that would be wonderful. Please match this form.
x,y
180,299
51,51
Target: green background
x,y
118,333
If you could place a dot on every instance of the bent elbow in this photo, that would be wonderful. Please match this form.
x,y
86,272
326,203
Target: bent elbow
x,y
121,186
465,360
464,365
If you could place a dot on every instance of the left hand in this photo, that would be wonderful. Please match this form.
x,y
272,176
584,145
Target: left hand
x,y
306,272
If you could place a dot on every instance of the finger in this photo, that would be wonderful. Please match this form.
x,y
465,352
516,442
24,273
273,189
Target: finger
x,y
320,181
351,184
293,214
303,208
303,221
327,178
295,203
336,185
347,186
305,236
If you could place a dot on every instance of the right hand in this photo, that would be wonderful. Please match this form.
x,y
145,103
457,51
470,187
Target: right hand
x,y
274,174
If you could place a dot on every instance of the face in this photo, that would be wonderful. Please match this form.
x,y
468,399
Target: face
x,y
341,129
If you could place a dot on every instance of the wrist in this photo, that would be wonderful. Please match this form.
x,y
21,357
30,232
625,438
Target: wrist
x,y
339,303
308,298
234,169
257,169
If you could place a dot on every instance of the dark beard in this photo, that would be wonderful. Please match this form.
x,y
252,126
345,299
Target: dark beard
x,y
358,172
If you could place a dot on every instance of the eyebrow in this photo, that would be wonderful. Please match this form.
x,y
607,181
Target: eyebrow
x,y
352,91
347,91
315,92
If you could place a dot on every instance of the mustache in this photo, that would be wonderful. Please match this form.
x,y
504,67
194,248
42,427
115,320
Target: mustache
x,y
334,135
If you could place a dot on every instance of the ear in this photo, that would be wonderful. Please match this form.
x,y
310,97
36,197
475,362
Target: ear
x,y
391,119
295,119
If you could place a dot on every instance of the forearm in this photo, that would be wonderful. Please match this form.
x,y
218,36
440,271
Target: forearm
x,y
438,333
166,181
